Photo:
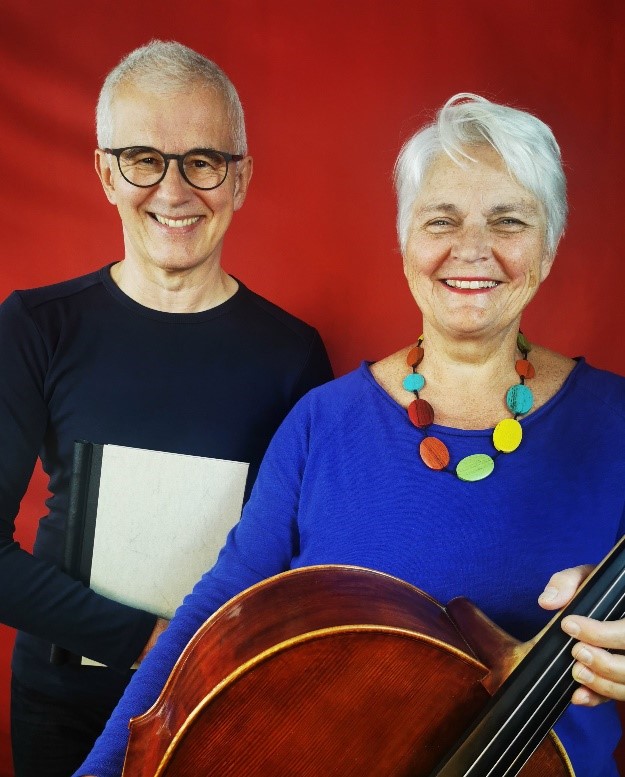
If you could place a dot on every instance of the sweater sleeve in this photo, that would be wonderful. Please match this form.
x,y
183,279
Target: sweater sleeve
x,y
262,544
37,597
316,370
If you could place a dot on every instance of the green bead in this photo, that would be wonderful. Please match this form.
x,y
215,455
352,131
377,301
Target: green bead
x,y
475,467
523,344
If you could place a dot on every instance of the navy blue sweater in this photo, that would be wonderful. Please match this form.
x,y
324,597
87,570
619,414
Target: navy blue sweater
x,y
81,360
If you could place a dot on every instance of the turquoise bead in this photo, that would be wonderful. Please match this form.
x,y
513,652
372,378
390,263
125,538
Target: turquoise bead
x,y
414,382
475,467
519,399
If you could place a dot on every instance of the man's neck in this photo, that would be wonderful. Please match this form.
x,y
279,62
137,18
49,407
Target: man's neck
x,y
174,292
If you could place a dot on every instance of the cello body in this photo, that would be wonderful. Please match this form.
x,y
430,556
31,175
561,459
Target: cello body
x,y
325,671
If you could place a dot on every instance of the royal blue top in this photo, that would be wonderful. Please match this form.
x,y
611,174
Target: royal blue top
x,y
342,483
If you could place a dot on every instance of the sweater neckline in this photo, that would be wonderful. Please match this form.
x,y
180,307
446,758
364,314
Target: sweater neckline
x,y
161,315
565,388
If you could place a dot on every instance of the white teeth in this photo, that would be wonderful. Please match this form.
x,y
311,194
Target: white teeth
x,y
457,284
176,222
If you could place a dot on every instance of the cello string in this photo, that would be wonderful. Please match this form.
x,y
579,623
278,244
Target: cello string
x,y
526,699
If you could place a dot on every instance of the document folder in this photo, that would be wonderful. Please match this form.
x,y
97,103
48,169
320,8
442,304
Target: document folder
x,y
143,526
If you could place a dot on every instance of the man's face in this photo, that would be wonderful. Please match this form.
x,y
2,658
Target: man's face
x,y
172,226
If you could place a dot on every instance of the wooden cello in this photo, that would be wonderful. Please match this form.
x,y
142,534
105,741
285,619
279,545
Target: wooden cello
x,y
337,670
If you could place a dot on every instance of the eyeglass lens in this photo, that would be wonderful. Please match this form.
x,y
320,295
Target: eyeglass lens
x,y
206,169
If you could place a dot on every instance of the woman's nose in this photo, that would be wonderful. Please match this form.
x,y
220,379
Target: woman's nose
x,y
472,244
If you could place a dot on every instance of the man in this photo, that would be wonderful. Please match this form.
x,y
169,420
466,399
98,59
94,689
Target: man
x,y
163,350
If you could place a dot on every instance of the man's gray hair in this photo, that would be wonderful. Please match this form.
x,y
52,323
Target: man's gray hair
x,y
525,143
166,66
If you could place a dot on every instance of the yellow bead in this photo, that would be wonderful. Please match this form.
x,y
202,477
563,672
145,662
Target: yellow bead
x,y
507,435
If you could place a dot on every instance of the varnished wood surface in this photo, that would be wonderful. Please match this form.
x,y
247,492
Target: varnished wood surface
x,y
326,671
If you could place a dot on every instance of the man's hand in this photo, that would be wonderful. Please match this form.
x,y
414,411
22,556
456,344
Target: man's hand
x,y
159,627
601,674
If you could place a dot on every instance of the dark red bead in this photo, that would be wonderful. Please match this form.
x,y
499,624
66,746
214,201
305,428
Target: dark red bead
x,y
421,413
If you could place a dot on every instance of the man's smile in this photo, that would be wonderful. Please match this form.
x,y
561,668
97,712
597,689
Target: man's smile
x,y
182,222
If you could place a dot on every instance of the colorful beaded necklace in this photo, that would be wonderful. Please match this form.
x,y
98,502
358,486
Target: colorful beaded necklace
x,y
507,434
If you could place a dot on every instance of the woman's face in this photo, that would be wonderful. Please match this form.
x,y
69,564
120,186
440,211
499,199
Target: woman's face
x,y
476,251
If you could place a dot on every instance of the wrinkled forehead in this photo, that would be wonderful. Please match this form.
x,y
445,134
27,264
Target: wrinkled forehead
x,y
476,172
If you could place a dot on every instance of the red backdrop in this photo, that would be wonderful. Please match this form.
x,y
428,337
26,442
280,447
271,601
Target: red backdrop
x,y
331,88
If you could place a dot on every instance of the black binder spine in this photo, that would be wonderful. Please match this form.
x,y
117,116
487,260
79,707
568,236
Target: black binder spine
x,y
75,528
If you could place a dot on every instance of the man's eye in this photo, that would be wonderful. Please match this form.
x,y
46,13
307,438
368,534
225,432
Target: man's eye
x,y
146,161
204,162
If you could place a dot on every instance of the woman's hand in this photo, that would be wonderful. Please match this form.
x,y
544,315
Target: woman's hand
x,y
600,673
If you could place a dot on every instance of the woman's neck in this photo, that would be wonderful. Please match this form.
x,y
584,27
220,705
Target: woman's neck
x,y
467,380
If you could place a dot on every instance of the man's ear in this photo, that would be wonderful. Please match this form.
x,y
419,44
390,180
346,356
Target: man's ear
x,y
242,178
104,169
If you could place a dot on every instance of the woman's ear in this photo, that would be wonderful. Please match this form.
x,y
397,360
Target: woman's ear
x,y
546,264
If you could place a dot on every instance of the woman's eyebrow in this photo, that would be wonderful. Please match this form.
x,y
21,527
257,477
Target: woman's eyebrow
x,y
441,207
527,208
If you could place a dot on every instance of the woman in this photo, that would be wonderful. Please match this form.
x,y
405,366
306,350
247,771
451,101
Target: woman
x,y
404,466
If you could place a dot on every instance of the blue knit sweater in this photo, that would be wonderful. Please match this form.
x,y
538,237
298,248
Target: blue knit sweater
x,y
342,483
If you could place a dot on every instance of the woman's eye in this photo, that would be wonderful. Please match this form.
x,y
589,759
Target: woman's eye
x,y
510,222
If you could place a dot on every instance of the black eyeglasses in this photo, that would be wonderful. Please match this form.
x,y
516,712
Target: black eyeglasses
x,y
202,168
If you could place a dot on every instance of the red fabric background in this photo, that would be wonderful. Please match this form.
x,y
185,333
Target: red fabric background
x,y
330,89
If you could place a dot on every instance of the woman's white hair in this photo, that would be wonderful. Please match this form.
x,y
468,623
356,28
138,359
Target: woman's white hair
x,y
525,143
168,66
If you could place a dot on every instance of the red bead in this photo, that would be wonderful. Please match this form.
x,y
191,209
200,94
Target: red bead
x,y
434,453
415,356
421,413
525,369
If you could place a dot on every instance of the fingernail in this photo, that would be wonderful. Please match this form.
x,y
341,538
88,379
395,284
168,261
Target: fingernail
x,y
581,696
584,675
583,655
550,594
570,627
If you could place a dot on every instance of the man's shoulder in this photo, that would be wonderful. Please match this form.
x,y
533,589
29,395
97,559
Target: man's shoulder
x,y
42,295
272,315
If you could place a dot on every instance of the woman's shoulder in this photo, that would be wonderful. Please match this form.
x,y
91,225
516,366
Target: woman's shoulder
x,y
339,390
586,383
603,386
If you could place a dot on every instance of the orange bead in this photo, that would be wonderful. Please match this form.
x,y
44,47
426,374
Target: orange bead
x,y
434,453
415,356
421,413
525,369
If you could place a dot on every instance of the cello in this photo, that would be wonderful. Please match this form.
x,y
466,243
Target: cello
x,y
336,670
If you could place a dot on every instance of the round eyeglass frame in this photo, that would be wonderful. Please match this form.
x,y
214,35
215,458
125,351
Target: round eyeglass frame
x,y
117,152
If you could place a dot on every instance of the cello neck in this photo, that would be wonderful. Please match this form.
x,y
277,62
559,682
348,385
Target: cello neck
x,y
530,701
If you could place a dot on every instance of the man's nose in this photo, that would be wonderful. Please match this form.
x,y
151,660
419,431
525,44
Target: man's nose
x,y
173,184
